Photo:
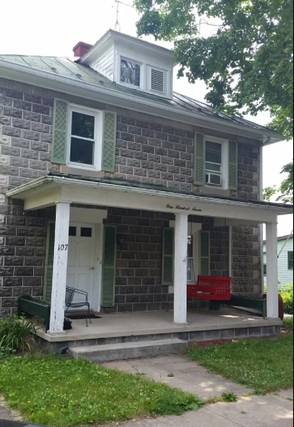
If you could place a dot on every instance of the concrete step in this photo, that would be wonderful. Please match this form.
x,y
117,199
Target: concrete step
x,y
128,350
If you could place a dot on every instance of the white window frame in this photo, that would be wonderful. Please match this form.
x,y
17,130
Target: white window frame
x,y
122,57
98,132
225,161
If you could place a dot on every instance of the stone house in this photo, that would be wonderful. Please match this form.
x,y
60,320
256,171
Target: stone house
x,y
114,184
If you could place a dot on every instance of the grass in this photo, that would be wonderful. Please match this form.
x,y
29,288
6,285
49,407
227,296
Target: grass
x,y
265,364
64,392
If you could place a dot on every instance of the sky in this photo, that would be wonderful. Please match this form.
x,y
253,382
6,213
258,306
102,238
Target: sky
x,y
42,27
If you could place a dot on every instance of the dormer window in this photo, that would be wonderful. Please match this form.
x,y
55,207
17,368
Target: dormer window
x,y
130,72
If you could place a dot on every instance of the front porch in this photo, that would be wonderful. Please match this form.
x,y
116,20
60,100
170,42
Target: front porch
x,y
140,327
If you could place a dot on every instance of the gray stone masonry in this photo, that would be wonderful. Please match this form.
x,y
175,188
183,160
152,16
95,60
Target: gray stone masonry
x,y
149,150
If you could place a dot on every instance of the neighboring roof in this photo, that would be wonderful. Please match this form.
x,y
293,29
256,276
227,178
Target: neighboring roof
x,y
66,71
286,237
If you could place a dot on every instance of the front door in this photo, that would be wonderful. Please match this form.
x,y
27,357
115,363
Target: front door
x,y
83,265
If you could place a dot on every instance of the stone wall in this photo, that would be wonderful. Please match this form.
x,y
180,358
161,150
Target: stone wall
x,y
148,150
25,145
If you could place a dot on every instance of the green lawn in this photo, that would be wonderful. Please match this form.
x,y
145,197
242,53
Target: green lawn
x,y
264,364
64,392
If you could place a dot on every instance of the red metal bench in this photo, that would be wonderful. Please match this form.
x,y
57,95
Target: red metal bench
x,y
213,288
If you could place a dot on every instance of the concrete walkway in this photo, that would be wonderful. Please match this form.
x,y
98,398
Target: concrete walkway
x,y
179,371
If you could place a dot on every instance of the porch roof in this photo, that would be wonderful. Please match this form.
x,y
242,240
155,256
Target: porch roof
x,y
110,192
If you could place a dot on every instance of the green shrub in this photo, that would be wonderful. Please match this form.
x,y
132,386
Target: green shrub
x,y
16,335
287,295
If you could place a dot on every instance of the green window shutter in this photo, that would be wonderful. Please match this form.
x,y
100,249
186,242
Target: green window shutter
x,y
49,262
204,253
199,155
233,165
59,132
109,265
168,256
109,141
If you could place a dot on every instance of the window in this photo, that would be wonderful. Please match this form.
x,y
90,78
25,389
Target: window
x,y
130,72
213,163
290,260
85,137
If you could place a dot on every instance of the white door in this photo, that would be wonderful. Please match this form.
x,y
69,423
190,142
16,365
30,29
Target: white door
x,y
83,266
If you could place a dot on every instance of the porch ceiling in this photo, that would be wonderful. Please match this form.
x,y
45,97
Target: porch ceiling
x,y
52,189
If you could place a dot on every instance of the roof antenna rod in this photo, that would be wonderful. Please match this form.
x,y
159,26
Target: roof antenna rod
x,y
117,24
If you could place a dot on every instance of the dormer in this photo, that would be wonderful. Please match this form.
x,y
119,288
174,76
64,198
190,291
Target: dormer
x,y
132,63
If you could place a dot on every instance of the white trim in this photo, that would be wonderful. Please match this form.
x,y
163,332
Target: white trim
x,y
98,132
91,216
224,161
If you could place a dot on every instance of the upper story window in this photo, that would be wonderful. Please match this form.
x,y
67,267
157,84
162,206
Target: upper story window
x,y
85,137
213,163
216,163
130,72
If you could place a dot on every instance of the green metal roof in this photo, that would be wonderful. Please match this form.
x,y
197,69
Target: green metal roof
x,y
75,72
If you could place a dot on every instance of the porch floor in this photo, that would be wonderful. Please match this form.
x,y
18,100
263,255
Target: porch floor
x,y
202,325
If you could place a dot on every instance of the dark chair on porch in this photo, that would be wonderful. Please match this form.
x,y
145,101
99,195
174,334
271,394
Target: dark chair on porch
x,y
82,300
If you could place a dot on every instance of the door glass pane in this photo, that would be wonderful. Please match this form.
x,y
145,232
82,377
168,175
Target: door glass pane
x,y
86,232
72,231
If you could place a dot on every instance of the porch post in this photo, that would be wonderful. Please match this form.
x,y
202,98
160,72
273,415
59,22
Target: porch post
x,y
272,271
230,250
59,267
180,268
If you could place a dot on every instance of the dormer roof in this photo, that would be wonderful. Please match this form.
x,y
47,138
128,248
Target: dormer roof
x,y
131,62
114,37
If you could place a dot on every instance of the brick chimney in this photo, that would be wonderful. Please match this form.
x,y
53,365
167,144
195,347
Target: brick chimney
x,y
81,48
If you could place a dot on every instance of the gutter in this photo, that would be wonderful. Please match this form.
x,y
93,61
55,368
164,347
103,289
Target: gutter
x,y
130,101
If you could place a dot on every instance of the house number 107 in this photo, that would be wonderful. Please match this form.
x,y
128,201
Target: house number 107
x,y
62,247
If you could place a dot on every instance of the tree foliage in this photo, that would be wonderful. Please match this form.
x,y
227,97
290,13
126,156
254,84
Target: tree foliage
x,y
284,192
247,64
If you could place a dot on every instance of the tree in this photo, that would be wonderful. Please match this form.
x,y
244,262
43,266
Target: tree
x,y
284,192
247,64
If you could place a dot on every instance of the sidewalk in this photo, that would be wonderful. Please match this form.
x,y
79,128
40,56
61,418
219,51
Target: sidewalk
x,y
271,410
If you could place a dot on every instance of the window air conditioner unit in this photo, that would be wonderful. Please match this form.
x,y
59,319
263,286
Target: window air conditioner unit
x,y
213,179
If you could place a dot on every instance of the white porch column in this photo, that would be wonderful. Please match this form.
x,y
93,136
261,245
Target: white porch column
x,y
180,268
272,271
59,267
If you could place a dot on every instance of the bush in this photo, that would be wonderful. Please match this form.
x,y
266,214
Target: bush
x,y
287,295
16,335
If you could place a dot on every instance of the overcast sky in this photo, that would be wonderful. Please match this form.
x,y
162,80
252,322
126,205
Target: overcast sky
x,y
39,27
